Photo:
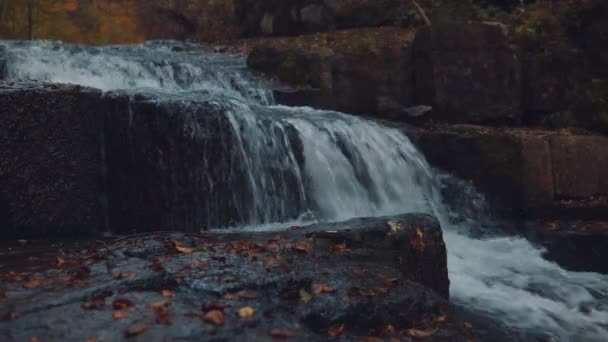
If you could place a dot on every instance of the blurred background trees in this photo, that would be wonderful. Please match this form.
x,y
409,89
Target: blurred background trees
x,y
129,21
91,21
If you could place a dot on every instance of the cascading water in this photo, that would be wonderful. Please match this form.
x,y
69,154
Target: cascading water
x,y
308,164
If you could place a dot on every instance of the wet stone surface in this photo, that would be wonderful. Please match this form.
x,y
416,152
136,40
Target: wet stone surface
x,y
379,278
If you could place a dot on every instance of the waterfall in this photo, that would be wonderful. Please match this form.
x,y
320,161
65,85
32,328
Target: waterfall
x,y
304,164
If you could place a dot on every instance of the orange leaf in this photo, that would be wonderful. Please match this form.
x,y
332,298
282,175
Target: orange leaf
x,y
120,314
322,288
304,247
166,293
247,294
159,304
246,312
94,304
336,330
269,261
180,247
418,242
421,333
32,283
388,329
281,333
341,247
135,329
215,317
163,316
184,250
121,304
122,275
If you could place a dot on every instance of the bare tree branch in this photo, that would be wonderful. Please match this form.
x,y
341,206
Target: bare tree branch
x,y
422,13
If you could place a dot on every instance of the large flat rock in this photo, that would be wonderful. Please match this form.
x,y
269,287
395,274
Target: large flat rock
x,y
51,160
377,277
76,161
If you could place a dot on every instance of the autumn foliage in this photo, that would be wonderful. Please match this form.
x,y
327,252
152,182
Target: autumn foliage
x,y
86,21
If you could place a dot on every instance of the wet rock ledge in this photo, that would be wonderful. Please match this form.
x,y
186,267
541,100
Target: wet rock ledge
x,y
374,277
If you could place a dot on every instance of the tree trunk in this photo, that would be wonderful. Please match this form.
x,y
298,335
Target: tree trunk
x,y
30,20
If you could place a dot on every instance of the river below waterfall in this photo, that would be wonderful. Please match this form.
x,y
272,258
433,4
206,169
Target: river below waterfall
x,y
339,167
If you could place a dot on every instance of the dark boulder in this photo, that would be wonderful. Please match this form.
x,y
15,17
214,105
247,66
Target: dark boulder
x,y
576,245
76,161
364,274
526,172
468,73
51,163
293,17
172,165
365,72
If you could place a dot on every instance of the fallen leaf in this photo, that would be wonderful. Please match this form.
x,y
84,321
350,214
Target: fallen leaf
x,y
468,325
304,247
305,296
340,247
418,242
281,333
421,333
163,316
269,261
215,317
181,248
94,304
120,314
246,312
441,318
336,330
322,288
247,294
122,275
166,293
367,293
32,284
388,329
121,303
135,329
159,304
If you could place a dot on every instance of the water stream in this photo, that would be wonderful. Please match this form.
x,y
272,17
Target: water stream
x,y
338,167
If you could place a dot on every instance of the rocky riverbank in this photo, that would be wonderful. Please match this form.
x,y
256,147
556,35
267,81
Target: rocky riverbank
x,y
516,110
365,278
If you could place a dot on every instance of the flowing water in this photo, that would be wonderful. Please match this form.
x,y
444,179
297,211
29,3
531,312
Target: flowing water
x,y
338,167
